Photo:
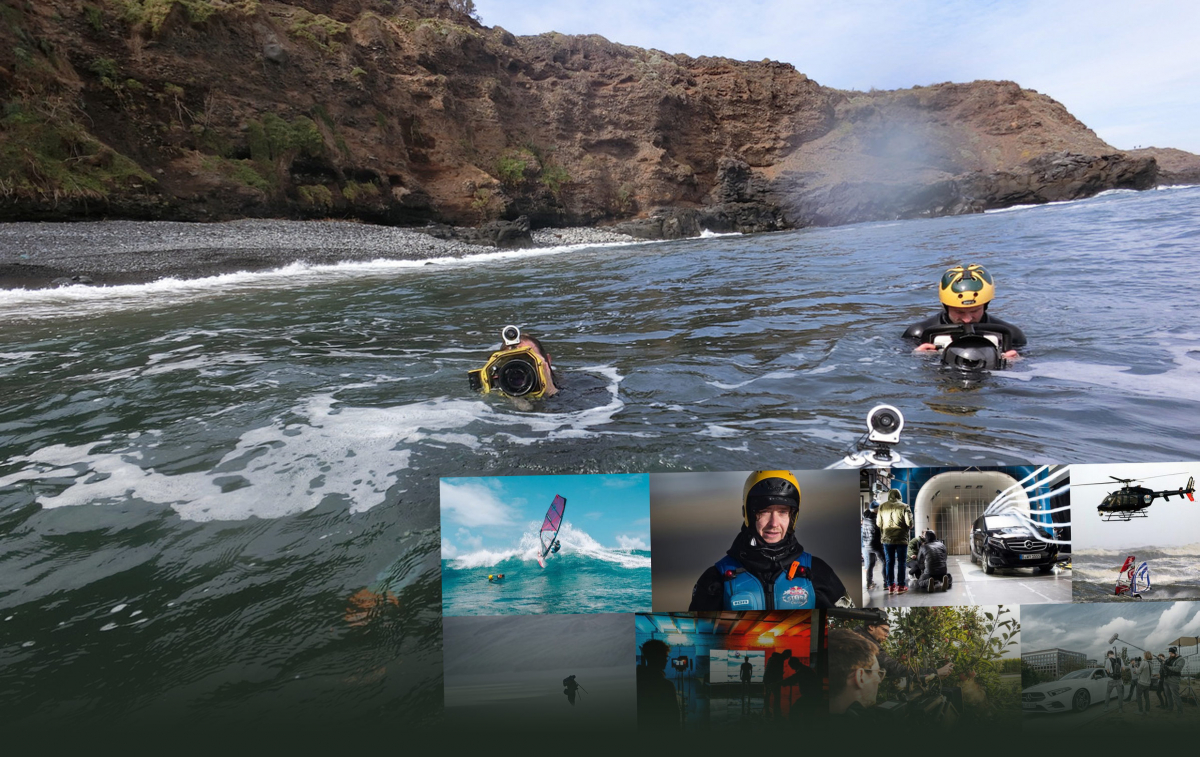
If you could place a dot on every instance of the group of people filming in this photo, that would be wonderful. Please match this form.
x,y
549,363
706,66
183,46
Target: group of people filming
x,y
1140,677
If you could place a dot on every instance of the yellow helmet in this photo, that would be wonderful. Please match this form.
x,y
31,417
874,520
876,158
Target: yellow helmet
x,y
966,286
770,487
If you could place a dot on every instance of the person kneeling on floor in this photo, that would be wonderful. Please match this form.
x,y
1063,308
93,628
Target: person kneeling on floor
x,y
931,562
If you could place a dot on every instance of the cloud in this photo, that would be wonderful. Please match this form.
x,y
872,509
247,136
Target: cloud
x,y
473,504
1171,625
631,543
471,541
448,549
623,482
593,516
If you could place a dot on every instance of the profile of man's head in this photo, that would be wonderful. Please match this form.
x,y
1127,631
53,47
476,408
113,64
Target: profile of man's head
x,y
854,672
655,653
879,629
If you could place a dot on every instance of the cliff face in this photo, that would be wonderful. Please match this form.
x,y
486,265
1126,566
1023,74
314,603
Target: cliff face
x,y
410,111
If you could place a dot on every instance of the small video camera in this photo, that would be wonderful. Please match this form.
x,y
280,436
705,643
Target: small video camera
x,y
884,424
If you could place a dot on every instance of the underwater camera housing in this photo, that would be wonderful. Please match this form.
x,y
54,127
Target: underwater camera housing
x,y
512,370
971,347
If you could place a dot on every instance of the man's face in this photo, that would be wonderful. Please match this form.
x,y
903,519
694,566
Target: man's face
x,y
879,633
870,680
966,315
772,523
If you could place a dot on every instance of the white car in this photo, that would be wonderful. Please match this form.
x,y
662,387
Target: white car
x,y
1074,691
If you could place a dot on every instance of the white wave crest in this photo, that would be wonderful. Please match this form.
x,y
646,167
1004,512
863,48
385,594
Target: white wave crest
x,y
290,466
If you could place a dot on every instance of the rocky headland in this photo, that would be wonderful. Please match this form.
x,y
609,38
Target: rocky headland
x,y
412,113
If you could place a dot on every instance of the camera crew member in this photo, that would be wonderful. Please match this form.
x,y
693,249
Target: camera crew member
x,y
931,562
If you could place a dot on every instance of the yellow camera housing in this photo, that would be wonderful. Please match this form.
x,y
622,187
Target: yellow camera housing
x,y
516,372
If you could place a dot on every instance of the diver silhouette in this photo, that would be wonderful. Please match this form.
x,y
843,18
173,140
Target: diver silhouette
x,y
570,687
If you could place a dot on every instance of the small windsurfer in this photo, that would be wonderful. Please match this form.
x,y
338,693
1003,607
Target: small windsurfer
x,y
1133,579
557,546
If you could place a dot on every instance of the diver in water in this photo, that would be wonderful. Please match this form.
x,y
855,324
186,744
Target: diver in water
x,y
965,292
766,568
495,577
520,367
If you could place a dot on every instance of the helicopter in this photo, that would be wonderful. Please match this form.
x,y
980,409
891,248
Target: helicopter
x,y
1131,502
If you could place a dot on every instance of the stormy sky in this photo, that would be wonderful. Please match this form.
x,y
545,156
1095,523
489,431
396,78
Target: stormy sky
x,y
1087,627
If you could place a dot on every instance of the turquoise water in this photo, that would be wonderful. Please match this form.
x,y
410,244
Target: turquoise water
x,y
571,582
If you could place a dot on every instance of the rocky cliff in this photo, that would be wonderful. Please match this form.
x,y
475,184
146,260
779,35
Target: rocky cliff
x,y
410,111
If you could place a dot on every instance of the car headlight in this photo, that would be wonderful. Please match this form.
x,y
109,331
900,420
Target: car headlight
x,y
1059,690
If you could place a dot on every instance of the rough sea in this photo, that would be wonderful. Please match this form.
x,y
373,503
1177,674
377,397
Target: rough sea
x,y
198,478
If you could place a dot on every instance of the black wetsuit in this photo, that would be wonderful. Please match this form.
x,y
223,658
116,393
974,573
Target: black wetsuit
x,y
766,564
917,330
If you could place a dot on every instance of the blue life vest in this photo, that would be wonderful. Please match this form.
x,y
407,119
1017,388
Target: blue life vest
x,y
743,590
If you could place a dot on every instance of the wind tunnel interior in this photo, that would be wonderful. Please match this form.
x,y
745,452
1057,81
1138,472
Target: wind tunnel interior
x,y
707,651
950,500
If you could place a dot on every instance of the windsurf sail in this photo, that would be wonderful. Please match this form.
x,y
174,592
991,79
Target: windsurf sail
x,y
551,525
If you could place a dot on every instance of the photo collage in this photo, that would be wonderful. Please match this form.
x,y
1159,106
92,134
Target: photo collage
x,y
1038,597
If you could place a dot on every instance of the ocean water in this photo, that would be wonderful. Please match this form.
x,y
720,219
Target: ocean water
x,y
218,498
1174,573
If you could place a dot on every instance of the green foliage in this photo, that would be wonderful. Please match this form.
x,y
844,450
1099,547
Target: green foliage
x,y
315,195
465,6
274,139
45,154
318,29
152,14
974,640
94,17
105,68
245,172
353,191
512,165
625,198
1031,677
516,166
554,177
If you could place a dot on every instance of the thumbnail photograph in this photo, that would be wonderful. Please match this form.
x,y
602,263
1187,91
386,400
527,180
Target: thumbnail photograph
x,y
953,536
759,540
1116,667
926,669
1137,532
539,673
729,670
545,544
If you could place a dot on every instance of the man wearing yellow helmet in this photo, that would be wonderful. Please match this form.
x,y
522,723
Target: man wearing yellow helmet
x,y
965,292
767,568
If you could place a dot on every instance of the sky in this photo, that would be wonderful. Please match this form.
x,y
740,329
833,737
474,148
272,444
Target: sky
x,y
492,513
1173,523
1087,627
1127,70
